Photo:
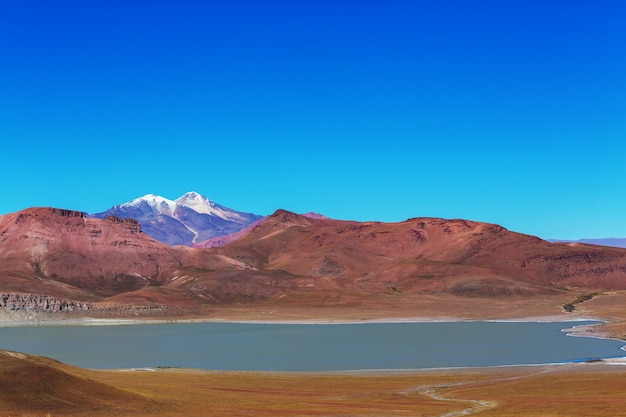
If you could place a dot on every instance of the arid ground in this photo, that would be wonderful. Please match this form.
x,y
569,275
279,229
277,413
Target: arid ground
x,y
34,386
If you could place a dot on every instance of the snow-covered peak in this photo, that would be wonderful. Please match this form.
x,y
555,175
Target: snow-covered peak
x,y
196,201
188,219
201,204
191,200
156,202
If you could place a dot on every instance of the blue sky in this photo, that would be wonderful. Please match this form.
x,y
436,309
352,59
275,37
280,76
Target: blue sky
x,y
510,112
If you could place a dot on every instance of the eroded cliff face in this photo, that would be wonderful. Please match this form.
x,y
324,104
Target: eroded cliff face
x,y
40,307
41,303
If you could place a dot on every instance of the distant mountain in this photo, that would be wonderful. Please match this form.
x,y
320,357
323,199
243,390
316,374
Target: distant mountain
x,y
611,241
189,219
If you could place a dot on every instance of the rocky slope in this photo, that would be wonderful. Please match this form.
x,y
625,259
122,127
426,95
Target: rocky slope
x,y
427,255
98,256
60,260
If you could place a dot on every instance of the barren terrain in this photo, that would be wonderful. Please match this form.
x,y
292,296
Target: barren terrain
x,y
35,386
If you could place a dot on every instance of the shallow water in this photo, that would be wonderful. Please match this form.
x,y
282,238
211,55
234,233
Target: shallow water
x,y
309,347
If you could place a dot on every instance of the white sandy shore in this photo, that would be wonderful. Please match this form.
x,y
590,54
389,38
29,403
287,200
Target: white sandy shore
x,y
89,321
86,321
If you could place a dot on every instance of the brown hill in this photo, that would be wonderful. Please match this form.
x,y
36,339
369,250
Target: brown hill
x,y
70,257
426,255
98,256
219,241
31,385
59,260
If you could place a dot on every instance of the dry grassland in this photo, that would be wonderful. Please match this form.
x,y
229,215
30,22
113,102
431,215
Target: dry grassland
x,y
33,386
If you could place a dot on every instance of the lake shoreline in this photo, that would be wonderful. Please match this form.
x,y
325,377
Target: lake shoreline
x,y
89,321
606,362
209,342
589,330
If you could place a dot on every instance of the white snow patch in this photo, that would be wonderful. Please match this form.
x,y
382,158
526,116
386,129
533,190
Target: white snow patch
x,y
201,204
160,204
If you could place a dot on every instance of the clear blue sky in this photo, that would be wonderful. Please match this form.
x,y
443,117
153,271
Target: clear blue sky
x,y
510,112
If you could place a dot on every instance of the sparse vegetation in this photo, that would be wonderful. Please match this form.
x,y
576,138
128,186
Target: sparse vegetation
x,y
571,305
395,290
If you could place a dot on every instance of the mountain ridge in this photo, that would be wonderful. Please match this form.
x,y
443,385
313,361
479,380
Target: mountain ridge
x,y
482,248
615,242
55,260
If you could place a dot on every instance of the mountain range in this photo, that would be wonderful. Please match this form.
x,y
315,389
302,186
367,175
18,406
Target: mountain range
x,y
188,220
611,241
55,260
194,220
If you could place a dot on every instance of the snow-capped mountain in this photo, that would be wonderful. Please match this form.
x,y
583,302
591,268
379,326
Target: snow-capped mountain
x,y
189,219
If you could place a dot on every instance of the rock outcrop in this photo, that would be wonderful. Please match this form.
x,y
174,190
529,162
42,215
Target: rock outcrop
x,y
41,303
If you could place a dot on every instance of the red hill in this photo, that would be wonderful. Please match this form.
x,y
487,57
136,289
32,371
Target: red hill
x,y
58,260
427,255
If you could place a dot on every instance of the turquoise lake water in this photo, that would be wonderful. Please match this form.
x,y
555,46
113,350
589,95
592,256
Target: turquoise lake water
x,y
309,347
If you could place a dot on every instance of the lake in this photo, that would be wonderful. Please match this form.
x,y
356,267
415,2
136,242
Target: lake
x,y
309,347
